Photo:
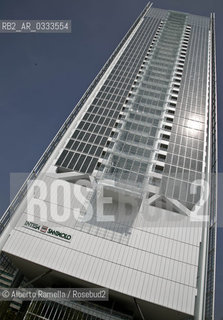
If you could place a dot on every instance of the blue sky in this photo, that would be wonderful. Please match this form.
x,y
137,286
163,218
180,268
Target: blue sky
x,y
44,75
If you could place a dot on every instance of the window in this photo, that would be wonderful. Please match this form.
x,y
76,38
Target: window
x,y
161,157
61,158
165,137
163,146
158,169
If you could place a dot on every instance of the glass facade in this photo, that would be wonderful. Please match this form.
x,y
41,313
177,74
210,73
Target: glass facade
x,y
91,136
154,109
150,101
130,160
148,123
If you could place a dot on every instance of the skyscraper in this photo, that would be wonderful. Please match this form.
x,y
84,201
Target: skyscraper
x,y
125,195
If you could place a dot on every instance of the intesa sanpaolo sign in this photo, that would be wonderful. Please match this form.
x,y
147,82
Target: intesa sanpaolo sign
x,y
48,231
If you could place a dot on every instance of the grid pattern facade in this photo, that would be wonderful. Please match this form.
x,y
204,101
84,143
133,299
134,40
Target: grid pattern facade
x,y
86,144
130,159
154,99
139,85
185,156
